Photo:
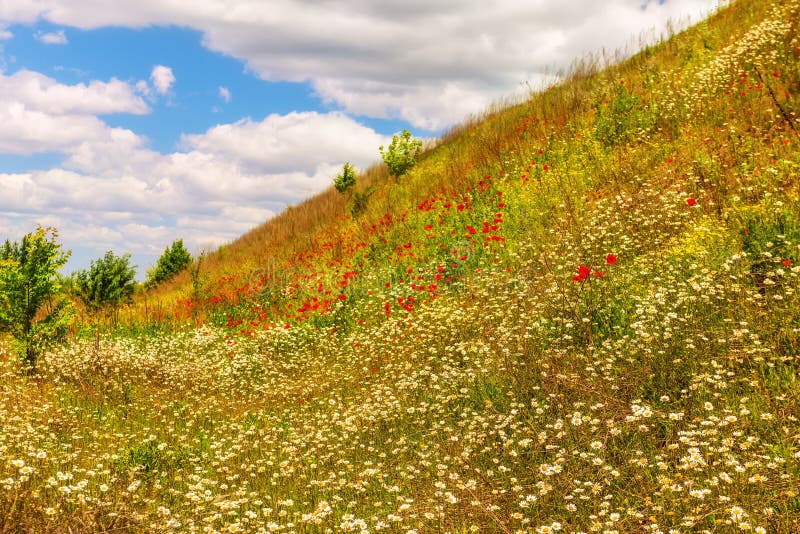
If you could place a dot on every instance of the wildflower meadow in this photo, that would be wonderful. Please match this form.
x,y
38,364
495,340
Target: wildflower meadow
x,y
578,313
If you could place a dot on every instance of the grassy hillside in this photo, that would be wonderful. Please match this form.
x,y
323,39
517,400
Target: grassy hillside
x,y
579,313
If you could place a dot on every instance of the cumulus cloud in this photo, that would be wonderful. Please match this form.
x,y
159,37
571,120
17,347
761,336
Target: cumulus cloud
x,y
114,189
38,114
53,38
396,58
142,88
225,94
291,142
24,131
42,93
162,78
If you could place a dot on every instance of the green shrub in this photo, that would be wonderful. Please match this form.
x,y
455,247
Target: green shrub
x,y
108,282
175,259
32,306
346,180
402,154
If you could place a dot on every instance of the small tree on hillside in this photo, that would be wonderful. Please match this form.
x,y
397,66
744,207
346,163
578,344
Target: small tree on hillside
x,y
109,281
174,259
347,179
402,154
32,306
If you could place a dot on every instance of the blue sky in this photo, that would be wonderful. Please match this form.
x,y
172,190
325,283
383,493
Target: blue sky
x,y
130,125
194,103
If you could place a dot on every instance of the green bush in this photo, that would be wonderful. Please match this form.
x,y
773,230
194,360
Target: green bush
x,y
346,180
402,154
108,282
32,306
175,259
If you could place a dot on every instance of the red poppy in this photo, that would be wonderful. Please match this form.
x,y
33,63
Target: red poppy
x,y
787,263
583,274
691,201
611,259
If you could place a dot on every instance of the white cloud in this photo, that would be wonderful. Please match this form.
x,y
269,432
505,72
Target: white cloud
x,y
38,114
142,88
162,78
44,94
26,131
225,94
291,142
53,38
423,105
112,189
5,34
300,153
395,58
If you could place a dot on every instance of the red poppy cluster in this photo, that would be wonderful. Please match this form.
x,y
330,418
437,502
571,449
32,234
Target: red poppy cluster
x,y
314,279
584,272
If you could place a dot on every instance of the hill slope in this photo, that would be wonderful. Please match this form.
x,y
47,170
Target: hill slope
x,y
579,313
